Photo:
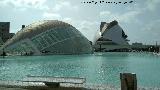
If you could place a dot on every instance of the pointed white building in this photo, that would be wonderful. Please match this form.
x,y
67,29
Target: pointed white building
x,y
112,37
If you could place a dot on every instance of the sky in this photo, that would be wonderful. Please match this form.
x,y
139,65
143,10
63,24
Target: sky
x,y
139,19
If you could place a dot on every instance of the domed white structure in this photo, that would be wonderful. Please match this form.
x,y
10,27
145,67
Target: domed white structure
x,y
48,37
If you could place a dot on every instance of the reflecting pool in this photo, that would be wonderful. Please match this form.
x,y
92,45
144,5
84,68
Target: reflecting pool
x,y
97,68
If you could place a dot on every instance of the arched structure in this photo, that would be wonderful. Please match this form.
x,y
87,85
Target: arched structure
x,y
48,37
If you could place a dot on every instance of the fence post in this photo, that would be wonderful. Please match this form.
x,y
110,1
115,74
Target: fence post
x,y
128,81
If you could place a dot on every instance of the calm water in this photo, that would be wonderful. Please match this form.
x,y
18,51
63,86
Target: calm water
x,y
98,68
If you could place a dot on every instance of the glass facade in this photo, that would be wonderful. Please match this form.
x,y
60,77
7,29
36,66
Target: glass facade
x,y
48,37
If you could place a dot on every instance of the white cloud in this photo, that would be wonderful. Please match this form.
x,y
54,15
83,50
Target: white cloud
x,y
152,4
88,28
128,17
19,4
63,5
152,27
48,15
151,31
56,16
68,20
105,13
59,9
39,4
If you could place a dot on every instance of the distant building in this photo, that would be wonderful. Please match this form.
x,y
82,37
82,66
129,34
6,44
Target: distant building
x,y
137,44
4,32
112,37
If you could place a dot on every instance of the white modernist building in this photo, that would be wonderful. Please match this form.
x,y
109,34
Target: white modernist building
x,y
48,37
112,37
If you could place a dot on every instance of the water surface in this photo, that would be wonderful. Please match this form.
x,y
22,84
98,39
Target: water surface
x,y
98,68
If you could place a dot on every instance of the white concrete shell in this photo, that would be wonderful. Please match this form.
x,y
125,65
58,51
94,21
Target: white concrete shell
x,y
48,37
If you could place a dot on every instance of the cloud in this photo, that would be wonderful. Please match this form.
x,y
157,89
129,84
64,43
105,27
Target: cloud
x,y
88,28
48,15
59,9
56,16
152,4
19,4
150,31
127,17
152,27
105,13
68,20
60,5
63,5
